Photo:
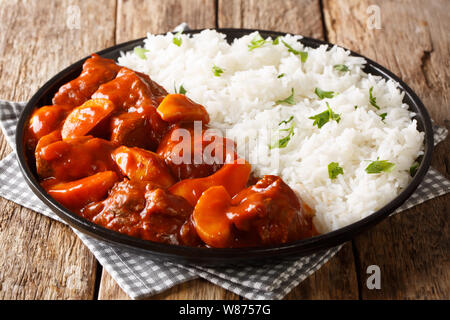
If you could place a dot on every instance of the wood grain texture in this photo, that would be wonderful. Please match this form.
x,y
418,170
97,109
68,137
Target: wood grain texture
x,y
137,17
294,16
41,258
412,248
337,279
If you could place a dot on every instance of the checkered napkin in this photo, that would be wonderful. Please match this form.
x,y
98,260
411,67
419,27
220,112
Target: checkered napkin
x,y
141,276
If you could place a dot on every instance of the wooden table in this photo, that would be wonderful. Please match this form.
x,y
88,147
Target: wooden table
x,y
43,259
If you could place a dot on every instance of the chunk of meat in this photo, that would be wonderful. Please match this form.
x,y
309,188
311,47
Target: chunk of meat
x,y
232,176
43,121
193,151
124,199
132,129
142,165
165,217
131,91
179,108
96,70
143,210
273,210
77,194
157,90
85,117
74,158
135,92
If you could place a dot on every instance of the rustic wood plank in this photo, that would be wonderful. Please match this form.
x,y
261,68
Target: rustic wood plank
x,y
299,17
137,17
411,248
134,19
335,280
41,258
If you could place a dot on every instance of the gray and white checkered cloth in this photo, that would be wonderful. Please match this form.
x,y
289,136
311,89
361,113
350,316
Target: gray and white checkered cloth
x,y
141,276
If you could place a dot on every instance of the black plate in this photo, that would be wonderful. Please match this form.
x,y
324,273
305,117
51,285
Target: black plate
x,y
220,256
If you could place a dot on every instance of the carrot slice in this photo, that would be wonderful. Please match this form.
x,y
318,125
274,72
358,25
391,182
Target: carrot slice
x,y
232,176
210,219
85,117
76,194
177,107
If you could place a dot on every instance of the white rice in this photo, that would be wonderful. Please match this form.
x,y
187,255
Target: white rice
x,y
243,99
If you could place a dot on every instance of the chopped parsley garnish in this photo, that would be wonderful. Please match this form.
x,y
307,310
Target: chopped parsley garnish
x,y
177,39
182,90
276,40
217,70
413,169
379,166
383,116
288,100
323,94
372,99
281,75
140,52
356,107
322,118
341,67
334,170
257,42
303,54
283,142
286,121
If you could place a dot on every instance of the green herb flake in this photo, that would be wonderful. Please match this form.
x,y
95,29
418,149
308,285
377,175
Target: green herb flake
x,y
356,107
286,121
177,39
257,42
341,67
283,142
413,169
276,41
140,52
182,90
383,116
323,94
303,54
288,100
372,99
281,75
322,118
379,166
217,71
334,170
